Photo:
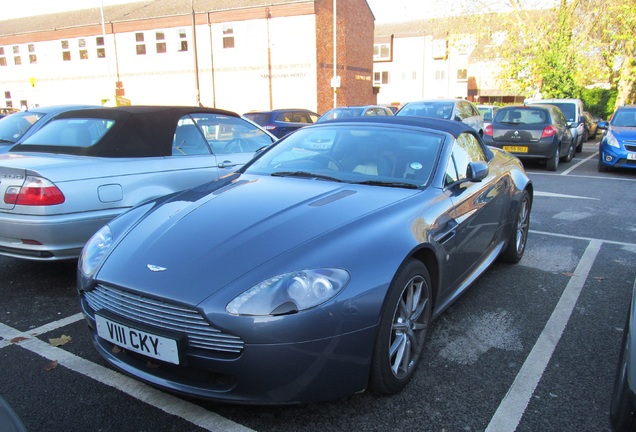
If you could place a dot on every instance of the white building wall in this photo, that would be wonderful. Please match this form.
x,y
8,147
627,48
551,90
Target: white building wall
x,y
235,78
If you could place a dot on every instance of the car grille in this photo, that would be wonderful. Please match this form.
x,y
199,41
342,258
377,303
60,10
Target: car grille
x,y
630,146
165,316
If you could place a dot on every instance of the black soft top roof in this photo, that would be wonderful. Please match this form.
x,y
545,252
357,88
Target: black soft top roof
x,y
139,131
455,128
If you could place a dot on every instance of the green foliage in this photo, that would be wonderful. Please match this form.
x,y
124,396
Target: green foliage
x,y
599,101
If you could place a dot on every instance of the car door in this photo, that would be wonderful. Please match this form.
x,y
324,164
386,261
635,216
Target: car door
x,y
478,210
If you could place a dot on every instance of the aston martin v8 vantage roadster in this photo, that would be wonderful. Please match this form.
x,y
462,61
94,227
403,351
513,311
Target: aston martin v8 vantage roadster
x,y
311,273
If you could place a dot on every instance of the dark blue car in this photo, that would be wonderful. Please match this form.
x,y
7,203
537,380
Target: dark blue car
x,y
618,145
280,122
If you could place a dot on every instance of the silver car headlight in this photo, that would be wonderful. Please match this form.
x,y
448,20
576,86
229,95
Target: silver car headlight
x,y
611,140
290,292
95,250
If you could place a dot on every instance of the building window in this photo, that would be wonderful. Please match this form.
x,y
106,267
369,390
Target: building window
x,y
183,41
462,74
32,57
66,53
141,46
83,52
380,78
382,52
3,59
228,36
101,51
160,37
17,60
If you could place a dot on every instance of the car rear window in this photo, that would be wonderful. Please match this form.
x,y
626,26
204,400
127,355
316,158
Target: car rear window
x,y
71,132
528,116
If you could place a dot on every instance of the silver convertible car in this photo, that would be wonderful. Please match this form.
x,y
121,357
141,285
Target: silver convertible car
x,y
311,273
83,168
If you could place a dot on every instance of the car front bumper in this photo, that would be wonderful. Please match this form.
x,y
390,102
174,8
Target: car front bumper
x,y
261,374
617,158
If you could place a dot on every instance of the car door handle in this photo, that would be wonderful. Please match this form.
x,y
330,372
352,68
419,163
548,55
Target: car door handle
x,y
227,164
447,233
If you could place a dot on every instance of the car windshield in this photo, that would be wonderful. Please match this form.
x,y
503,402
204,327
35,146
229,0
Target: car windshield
x,y
435,109
258,118
70,132
341,113
13,126
567,108
521,116
354,154
624,118
486,112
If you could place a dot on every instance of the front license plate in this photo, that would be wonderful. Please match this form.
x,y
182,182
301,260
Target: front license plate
x,y
631,156
516,149
139,341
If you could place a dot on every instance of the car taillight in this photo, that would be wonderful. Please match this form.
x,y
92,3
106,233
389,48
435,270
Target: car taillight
x,y
488,130
548,131
36,191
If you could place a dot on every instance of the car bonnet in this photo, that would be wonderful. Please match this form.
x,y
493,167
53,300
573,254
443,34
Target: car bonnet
x,y
203,240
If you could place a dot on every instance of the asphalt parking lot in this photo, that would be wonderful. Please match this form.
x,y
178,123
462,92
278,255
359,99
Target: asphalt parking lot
x,y
530,347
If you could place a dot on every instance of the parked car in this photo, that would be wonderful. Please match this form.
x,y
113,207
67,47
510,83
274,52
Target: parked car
x,y
487,112
280,122
573,111
311,273
449,109
84,167
618,145
532,132
591,125
355,111
19,125
623,401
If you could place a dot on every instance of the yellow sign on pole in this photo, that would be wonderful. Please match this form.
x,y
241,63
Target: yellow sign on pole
x,y
122,101
32,81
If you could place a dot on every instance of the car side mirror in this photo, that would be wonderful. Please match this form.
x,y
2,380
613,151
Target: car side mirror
x,y
602,125
477,171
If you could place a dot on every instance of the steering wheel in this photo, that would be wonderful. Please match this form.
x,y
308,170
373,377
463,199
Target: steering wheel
x,y
330,163
237,145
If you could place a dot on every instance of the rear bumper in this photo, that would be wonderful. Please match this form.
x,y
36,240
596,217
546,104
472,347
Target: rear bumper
x,y
50,237
539,150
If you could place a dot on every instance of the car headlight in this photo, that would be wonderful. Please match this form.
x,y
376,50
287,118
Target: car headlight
x,y
95,250
290,292
611,140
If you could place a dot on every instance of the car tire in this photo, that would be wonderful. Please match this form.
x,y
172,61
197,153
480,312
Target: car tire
x,y
602,167
579,147
404,326
568,157
519,235
553,163
621,411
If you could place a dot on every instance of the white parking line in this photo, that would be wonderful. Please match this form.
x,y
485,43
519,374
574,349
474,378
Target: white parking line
x,y
514,404
170,404
573,167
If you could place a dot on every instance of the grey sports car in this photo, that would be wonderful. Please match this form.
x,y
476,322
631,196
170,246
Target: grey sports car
x,y
83,168
311,273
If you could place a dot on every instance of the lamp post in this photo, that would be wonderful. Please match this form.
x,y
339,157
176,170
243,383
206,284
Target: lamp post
x,y
196,61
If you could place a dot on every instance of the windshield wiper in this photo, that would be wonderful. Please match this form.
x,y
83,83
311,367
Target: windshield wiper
x,y
388,184
6,141
304,174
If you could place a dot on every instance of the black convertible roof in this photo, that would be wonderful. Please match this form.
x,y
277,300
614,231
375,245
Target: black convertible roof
x,y
139,131
455,128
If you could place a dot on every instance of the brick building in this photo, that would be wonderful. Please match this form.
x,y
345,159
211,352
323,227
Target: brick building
x,y
233,54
